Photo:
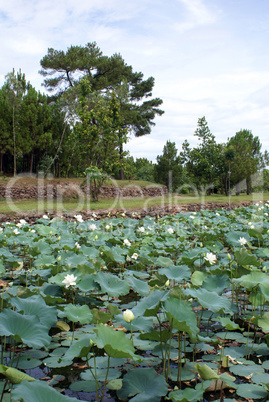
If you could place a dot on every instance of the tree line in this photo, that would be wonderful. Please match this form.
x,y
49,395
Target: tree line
x,y
213,167
94,103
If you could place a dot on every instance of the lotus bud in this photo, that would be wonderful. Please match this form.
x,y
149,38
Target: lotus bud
x,y
229,256
264,269
59,238
128,315
201,244
59,258
96,237
167,283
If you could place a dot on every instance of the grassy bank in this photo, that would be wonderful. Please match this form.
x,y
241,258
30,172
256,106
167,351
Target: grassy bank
x,y
23,206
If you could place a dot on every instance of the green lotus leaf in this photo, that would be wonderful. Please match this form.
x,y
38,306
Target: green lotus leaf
x,y
111,284
198,278
206,373
251,391
26,362
181,316
233,237
24,328
228,324
163,262
84,386
187,395
46,230
178,273
216,283
263,322
113,254
210,300
13,375
245,259
87,283
38,391
57,361
252,279
115,343
150,304
115,385
75,260
80,348
74,313
36,306
44,259
145,385
139,286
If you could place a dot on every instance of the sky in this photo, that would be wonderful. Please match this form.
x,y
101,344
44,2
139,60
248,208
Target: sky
x,y
208,57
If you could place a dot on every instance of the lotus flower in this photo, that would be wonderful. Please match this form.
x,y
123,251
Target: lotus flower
x,y
128,315
70,280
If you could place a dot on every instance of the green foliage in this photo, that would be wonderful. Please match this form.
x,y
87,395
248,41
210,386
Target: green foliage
x,y
247,157
168,170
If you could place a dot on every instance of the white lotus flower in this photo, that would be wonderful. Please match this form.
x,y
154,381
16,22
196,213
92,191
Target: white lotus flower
x,y
16,232
191,217
127,243
108,227
141,229
19,225
1,229
170,230
128,315
242,241
33,231
69,280
78,218
217,214
23,222
135,256
211,258
77,245
93,226
45,217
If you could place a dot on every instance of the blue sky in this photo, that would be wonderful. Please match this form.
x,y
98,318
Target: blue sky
x,y
208,57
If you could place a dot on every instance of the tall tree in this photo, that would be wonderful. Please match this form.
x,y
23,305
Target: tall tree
x,y
35,123
64,70
5,126
168,169
16,87
248,157
100,132
204,162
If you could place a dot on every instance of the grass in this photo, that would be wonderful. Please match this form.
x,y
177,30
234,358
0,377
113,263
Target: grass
x,y
82,204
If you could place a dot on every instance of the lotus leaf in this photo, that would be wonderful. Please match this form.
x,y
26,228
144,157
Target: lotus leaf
x,y
144,384
38,391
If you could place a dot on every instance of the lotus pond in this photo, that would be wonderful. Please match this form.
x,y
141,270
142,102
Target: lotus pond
x,y
174,308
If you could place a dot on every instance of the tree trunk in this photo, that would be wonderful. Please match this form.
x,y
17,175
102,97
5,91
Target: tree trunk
x,y
226,185
14,142
248,184
31,161
121,159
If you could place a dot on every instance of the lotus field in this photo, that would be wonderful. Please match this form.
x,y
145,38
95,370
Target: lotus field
x,y
122,309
